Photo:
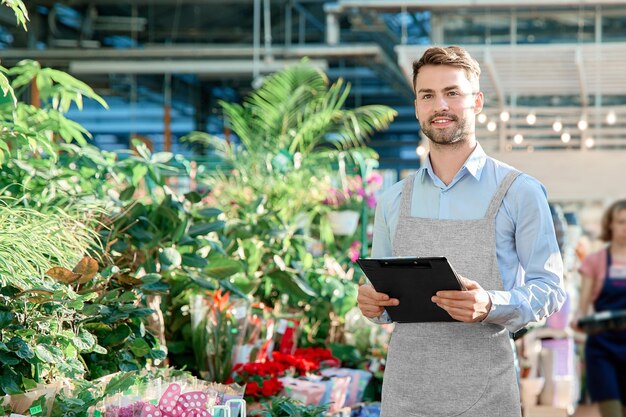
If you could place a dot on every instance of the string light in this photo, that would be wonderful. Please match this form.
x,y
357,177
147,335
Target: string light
x,y
611,118
589,142
531,118
557,125
566,137
482,118
491,126
582,124
505,116
420,150
518,138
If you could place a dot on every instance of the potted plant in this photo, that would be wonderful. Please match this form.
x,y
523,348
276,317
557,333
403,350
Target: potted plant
x,y
349,200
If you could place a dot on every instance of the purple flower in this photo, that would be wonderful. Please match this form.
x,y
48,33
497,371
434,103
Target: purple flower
x,y
371,201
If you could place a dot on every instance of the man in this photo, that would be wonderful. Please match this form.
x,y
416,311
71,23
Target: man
x,y
495,227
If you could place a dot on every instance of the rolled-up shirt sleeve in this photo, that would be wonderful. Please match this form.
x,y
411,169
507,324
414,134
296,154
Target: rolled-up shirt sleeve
x,y
540,292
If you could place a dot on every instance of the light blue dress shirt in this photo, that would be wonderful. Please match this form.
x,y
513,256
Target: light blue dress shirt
x,y
526,248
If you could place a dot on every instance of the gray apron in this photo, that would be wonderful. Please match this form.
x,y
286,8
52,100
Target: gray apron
x,y
451,368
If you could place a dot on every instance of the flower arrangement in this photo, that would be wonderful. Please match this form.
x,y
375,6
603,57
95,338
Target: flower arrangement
x,y
261,378
218,326
354,193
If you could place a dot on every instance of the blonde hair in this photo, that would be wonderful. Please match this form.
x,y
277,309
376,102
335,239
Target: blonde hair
x,y
454,56
607,218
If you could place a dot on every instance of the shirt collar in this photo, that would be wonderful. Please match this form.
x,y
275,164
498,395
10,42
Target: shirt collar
x,y
473,165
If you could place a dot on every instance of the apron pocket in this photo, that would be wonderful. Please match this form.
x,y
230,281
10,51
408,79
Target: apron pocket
x,y
436,369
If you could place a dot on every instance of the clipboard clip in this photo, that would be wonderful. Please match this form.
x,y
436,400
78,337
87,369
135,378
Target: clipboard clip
x,y
398,263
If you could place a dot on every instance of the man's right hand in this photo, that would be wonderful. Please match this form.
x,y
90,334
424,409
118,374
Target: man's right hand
x,y
372,303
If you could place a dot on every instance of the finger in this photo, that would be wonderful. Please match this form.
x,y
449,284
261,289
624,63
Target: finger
x,y
462,314
463,304
379,303
371,311
368,291
456,295
470,284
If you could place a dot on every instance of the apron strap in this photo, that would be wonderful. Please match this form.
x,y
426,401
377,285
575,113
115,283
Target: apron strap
x,y
407,196
503,188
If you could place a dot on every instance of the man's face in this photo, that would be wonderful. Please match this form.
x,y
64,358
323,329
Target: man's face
x,y
446,104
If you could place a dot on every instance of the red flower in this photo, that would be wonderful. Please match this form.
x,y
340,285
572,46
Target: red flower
x,y
271,387
252,388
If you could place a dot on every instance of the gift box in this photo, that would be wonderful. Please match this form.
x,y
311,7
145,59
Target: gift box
x,y
303,390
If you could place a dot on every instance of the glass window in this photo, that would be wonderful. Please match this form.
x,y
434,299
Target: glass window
x,y
556,27
613,26
476,28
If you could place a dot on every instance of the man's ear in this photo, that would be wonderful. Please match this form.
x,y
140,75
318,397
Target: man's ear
x,y
478,102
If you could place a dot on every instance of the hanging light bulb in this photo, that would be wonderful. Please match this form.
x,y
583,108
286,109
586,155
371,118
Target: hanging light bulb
x,y
491,126
482,118
582,124
557,125
611,118
590,142
531,118
420,150
566,137
518,138
505,116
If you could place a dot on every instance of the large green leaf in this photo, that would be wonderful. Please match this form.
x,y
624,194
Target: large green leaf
x,y
120,382
9,382
6,318
139,347
208,212
170,258
117,336
194,260
84,341
49,353
200,229
223,268
20,347
292,284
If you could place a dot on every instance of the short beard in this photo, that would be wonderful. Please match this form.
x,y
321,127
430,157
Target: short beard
x,y
440,137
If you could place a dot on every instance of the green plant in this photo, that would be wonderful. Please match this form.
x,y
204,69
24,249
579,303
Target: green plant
x,y
217,325
30,129
40,336
32,242
288,407
291,133
19,8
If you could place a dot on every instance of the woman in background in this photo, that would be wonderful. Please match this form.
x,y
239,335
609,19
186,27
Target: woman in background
x,y
604,284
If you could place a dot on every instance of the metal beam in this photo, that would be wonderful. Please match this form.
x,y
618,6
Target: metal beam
x,y
397,5
580,67
365,50
145,2
205,68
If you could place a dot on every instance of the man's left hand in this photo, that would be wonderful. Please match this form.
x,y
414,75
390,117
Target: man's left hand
x,y
469,306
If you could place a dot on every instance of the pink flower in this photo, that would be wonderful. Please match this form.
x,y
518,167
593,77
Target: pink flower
x,y
375,178
354,251
371,201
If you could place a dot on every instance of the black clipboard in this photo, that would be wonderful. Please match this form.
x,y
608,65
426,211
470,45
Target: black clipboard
x,y
413,281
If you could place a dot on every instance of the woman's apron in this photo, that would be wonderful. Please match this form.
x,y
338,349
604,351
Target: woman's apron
x,y
451,368
605,353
